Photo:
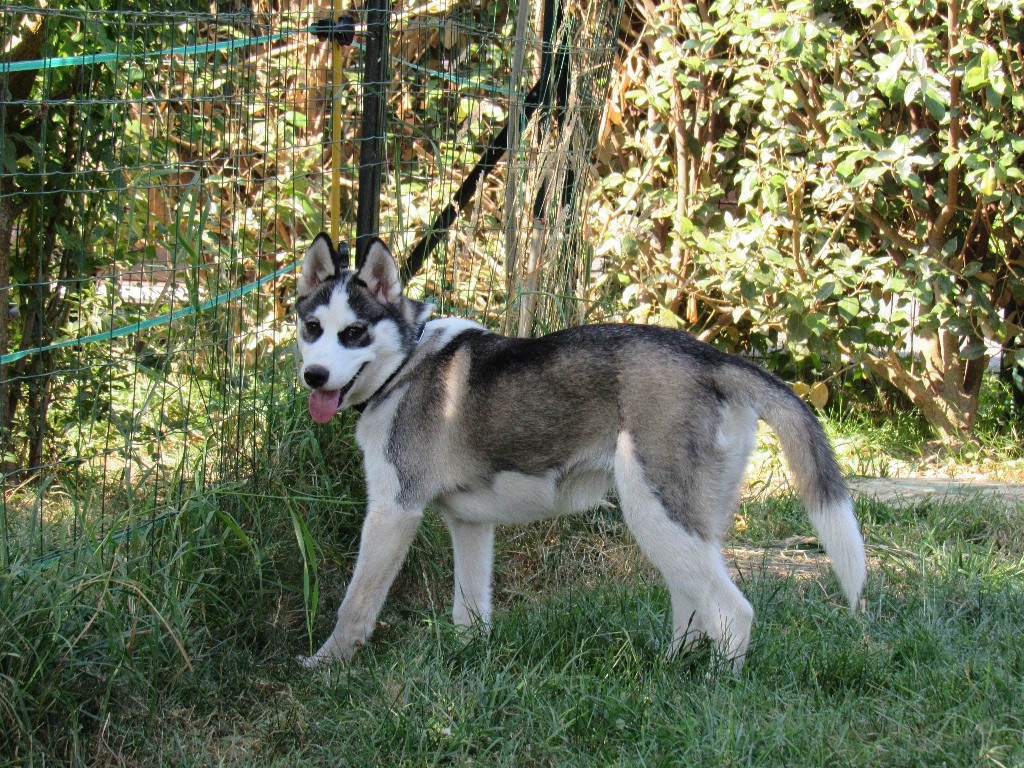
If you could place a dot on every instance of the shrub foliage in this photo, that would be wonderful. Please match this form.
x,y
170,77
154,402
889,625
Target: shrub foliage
x,y
843,179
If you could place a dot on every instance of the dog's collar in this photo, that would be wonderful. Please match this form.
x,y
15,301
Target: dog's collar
x,y
419,337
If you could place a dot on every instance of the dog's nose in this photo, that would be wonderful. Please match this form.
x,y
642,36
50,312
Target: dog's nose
x,y
316,376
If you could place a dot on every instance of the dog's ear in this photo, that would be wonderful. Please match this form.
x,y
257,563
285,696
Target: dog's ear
x,y
380,273
322,262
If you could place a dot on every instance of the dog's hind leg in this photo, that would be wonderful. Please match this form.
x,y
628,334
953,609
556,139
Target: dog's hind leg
x,y
705,602
473,552
388,531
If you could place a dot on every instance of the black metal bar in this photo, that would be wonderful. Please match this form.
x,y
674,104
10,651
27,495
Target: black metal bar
x,y
554,79
554,75
550,22
371,145
488,160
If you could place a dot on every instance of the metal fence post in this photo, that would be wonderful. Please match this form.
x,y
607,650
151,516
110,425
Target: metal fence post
x,y
371,144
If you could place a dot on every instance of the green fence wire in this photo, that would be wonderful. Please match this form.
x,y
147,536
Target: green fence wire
x,y
117,57
163,170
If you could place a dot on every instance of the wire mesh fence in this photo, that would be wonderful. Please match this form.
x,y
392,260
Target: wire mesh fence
x,y
164,169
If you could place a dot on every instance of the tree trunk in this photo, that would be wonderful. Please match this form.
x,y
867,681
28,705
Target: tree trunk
x,y
32,33
944,385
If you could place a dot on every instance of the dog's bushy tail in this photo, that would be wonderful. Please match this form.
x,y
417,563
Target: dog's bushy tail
x,y
815,471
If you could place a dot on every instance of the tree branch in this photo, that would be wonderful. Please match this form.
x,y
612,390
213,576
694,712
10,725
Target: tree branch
x,y
887,230
937,234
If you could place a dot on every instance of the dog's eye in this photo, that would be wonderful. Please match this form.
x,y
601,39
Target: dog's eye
x,y
312,327
353,335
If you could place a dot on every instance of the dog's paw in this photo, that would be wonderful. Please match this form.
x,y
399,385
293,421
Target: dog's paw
x,y
310,662
323,658
331,652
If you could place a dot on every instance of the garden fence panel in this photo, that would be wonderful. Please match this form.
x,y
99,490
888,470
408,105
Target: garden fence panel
x,y
162,172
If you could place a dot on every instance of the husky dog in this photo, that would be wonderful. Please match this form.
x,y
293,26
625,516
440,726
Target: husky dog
x,y
490,430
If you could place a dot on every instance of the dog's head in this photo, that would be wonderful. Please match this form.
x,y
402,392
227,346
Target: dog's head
x,y
354,325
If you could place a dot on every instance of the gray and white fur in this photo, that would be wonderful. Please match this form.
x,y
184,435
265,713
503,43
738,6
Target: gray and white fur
x,y
489,430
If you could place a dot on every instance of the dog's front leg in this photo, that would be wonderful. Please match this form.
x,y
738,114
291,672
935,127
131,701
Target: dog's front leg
x,y
387,533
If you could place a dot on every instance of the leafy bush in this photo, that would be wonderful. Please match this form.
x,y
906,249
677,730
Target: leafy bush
x,y
842,179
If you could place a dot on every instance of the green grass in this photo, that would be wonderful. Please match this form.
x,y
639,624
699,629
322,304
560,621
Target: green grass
x,y
178,648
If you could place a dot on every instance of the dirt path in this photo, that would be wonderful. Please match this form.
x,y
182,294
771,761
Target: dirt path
x,y
909,490
801,556
789,559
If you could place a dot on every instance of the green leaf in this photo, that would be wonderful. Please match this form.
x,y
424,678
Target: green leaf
x,y
825,291
988,182
869,174
310,579
975,78
911,91
849,307
236,529
792,39
936,106
973,350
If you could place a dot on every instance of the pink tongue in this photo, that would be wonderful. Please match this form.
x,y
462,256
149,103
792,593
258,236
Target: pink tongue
x,y
323,405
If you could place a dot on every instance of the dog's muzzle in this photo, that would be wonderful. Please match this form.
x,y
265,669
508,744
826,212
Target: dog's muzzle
x,y
324,403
